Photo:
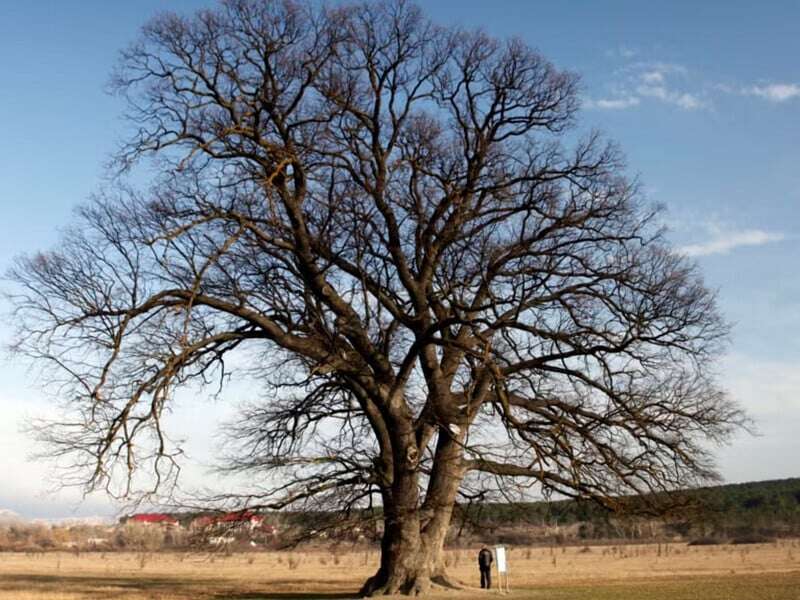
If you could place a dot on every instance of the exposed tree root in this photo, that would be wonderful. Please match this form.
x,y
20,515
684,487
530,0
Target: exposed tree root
x,y
408,585
444,581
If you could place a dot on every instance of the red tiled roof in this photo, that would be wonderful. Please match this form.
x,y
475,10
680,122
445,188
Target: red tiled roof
x,y
153,518
204,521
227,518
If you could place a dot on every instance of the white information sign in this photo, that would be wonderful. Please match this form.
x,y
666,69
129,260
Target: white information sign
x,y
500,557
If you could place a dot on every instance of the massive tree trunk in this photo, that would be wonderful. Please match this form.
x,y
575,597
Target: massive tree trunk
x,y
411,559
412,546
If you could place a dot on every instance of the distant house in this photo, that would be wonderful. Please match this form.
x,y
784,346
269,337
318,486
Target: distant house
x,y
159,519
202,523
243,521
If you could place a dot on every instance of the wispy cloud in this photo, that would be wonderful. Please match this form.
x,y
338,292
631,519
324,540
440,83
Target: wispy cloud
x,y
612,103
658,81
621,52
637,82
774,92
682,100
653,77
723,242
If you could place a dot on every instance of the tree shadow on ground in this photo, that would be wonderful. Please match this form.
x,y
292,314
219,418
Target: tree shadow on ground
x,y
110,587
88,586
287,596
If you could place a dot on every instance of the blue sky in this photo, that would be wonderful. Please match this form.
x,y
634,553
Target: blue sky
x,y
704,98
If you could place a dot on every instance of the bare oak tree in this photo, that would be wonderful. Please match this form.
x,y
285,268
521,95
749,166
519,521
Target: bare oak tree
x,y
394,228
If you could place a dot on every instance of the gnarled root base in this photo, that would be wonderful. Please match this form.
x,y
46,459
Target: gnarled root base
x,y
409,584
442,580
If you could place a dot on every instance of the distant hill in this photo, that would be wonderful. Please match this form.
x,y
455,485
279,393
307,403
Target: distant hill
x,y
9,517
731,511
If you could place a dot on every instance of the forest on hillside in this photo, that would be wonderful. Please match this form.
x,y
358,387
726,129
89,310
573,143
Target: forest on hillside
x,y
738,513
733,512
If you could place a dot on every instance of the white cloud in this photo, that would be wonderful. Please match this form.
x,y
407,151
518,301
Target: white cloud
x,y
774,92
688,101
682,100
613,103
621,52
657,71
670,83
723,242
653,77
640,81
653,81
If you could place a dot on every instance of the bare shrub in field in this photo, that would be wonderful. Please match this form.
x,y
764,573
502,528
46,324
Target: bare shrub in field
x,y
27,537
135,536
293,562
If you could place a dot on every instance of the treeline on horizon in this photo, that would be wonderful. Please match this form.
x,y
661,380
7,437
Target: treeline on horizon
x,y
740,513
754,512
762,509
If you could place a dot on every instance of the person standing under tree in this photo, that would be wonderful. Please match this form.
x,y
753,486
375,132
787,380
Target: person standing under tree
x,y
485,560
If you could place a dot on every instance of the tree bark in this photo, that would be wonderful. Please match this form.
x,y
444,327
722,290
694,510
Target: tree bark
x,y
412,560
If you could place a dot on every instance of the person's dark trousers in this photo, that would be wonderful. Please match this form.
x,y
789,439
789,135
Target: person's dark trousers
x,y
486,577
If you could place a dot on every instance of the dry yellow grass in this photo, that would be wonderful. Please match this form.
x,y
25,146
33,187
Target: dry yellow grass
x,y
669,572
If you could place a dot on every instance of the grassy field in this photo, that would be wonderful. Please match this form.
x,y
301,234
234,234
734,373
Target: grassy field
x,y
640,572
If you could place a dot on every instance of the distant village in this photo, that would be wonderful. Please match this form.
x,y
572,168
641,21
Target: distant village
x,y
223,529
752,512
153,531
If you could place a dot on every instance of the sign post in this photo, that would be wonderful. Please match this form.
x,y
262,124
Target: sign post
x,y
502,567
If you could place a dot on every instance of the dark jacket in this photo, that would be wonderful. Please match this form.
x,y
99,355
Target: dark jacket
x,y
485,558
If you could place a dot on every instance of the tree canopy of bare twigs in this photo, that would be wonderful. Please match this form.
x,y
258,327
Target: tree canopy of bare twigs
x,y
440,286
